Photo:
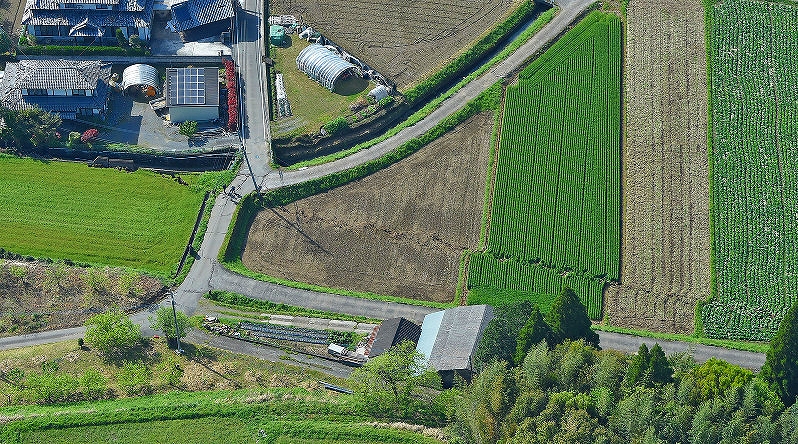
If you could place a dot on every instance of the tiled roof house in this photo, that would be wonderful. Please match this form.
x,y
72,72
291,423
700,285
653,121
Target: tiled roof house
x,y
199,19
66,87
84,21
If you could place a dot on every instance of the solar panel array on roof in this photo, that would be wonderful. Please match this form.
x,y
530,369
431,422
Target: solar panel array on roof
x,y
187,87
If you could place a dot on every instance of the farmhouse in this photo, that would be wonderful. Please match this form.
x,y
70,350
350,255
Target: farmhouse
x,y
324,66
192,94
87,21
68,88
392,332
199,19
449,339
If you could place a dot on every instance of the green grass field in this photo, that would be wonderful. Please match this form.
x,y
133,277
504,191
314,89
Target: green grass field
x,y
65,210
554,219
754,167
242,416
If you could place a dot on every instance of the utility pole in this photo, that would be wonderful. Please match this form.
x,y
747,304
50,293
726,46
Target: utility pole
x,y
177,329
251,174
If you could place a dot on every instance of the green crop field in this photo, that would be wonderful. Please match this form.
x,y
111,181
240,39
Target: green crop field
x,y
754,167
556,201
64,210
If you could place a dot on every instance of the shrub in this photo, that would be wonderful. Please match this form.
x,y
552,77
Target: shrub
x,y
74,137
89,134
336,125
134,379
188,128
386,101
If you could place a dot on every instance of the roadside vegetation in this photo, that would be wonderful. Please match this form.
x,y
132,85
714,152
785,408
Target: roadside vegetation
x,y
36,295
242,303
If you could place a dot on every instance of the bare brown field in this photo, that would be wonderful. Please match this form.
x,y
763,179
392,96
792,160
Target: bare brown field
x,y
35,296
11,15
398,232
665,238
403,39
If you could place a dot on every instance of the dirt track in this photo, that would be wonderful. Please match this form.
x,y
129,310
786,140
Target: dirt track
x,y
665,239
405,40
399,232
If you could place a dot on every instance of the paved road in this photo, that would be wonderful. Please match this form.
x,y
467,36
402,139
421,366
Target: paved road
x,y
630,344
207,274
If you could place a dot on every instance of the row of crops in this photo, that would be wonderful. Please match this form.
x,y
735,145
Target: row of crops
x,y
556,200
754,79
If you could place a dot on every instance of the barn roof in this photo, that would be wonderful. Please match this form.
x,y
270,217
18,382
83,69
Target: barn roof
x,y
192,87
392,332
449,338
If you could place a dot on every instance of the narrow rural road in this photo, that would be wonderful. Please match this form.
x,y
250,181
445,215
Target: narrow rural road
x,y
207,274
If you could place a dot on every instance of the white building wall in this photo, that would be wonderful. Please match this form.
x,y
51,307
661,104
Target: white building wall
x,y
197,113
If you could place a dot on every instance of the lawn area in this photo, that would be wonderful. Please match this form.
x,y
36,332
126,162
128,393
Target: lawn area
x,y
312,105
64,210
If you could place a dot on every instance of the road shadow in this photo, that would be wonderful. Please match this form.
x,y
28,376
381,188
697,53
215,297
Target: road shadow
x,y
251,21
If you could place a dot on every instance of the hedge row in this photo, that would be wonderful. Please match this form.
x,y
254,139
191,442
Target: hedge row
x,y
472,55
81,50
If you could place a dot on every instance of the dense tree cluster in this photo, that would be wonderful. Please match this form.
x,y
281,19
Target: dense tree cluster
x,y
28,129
518,326
577,394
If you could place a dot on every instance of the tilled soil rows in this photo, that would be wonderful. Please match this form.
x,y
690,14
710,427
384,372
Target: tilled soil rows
x,y
398,232
405,40
665,239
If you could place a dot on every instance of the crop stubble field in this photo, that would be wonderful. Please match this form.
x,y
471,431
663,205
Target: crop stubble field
x,y
666,236
64,210
404,40
398,232
555,211
754,167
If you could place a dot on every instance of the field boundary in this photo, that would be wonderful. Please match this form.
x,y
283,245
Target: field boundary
x,y
233,246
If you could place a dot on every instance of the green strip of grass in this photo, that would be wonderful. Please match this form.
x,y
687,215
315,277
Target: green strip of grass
x,y
543,19
243,303
64,210
239,415
758,347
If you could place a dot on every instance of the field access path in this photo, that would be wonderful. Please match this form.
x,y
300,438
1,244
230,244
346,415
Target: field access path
x,y
208,274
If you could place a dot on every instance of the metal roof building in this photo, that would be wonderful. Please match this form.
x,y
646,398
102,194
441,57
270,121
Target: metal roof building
x,y
323,65
449,339
140,75
192,94
392,332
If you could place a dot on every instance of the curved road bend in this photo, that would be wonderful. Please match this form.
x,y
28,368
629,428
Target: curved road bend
x,y
207,274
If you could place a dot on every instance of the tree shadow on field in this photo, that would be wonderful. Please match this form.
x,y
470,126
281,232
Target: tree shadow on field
x,y
299,230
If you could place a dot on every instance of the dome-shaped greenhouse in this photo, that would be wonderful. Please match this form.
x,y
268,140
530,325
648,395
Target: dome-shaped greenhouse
x,y
324,66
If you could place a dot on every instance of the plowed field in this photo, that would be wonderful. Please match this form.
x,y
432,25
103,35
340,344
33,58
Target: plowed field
x,y
403,39
665,239
398,232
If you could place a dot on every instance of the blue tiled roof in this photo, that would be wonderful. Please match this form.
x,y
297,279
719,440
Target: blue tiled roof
x,y
137,13
194,13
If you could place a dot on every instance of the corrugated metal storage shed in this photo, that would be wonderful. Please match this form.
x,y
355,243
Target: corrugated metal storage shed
x,y
140,74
